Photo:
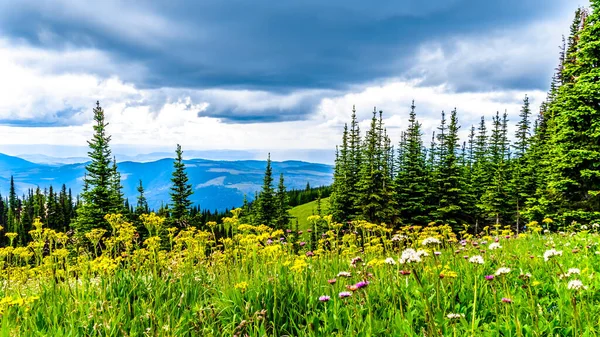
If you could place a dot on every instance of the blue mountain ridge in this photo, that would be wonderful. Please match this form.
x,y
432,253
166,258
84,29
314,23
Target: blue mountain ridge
x,y
216,184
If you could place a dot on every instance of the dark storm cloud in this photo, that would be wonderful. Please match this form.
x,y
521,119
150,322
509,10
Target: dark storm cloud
x,y
275,46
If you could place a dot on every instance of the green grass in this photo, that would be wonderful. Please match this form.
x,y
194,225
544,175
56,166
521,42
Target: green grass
x,y
302,212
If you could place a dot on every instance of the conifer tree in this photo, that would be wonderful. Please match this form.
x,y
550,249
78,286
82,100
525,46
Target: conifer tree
x,y
451,194
411,180
282,216
96,198
116,190
518,192
574,183
495,198
181,190
371,200
266,204
12,208
142,203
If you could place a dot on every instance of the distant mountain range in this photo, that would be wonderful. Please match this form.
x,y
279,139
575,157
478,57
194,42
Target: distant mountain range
x,y
216,184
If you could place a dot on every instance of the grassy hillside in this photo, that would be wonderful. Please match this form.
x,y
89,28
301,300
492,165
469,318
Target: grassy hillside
x,y
302,212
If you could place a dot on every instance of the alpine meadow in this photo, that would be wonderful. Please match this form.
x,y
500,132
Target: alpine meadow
x,y
425,225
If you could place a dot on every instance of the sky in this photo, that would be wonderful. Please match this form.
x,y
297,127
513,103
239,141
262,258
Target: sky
x,y
263,76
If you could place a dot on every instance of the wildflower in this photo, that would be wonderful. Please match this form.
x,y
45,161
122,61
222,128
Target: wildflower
x,y
595,225
489,277
576,285
344,274
584,227
494,245
269,242
390,260
525,276
506,300
302,244
455,316
362,284
405,272
324,298
431,241
409,255
437,253
550,253
352,287
476,259
572,271
332,281
502,271
242,286
309,254
355,260
398,238
345,294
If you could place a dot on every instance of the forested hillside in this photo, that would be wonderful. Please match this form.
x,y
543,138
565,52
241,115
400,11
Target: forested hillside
x,y
549,168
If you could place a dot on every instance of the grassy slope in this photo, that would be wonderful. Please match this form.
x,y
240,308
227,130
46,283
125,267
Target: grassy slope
x,y
302,212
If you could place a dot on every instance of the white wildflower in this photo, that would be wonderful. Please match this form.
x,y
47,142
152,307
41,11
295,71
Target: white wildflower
x,y
494,245
550,253
431,241
344,274
502,271
409,255
390,260
573,271
455,316
476,259
576,285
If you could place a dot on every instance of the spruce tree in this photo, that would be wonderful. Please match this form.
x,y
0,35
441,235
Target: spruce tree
x,y
574,183
495,198
412,178
181,190
517,183
116,190
282,216
96,198
266,203
142,203
450,181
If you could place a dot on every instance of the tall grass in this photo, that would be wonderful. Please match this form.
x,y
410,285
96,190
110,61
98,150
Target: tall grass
x,y
262,282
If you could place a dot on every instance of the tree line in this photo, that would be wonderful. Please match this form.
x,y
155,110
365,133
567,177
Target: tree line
x,y
550,170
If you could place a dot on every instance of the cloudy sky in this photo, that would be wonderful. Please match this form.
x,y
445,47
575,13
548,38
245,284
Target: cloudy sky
x,y
259,75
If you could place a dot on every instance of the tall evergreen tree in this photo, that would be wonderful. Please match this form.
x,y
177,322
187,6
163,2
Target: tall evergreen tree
x,y
518,193
412,178
142,203
574,184
96,197
282,216
450,183
266,211
181,190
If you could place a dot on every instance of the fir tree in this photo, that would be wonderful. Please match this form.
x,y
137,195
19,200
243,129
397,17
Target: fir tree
x,y
97,200
142,203
181,190
266,203
574,184
518,193
412,177
282,216
451,194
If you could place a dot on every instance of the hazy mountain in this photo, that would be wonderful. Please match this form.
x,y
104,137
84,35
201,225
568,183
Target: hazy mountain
x,y
217,184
